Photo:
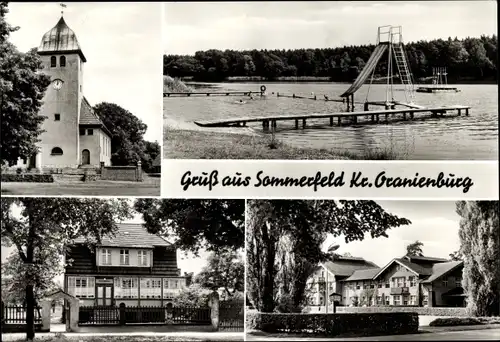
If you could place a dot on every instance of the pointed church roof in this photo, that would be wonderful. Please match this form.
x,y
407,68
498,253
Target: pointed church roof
x,y
89,118
60,39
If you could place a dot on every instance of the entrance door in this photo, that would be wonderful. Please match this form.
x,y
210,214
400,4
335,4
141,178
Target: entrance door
x,y
32,161
85,157
104,295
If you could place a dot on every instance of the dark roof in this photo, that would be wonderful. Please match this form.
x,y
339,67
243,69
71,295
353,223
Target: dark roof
x,y
345,266
424,258
131,235
421,270
439,270
88,117
59,39
366,274
418,269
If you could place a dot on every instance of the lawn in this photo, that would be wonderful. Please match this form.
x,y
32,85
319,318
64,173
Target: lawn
x,y
191,144
456,321
149,187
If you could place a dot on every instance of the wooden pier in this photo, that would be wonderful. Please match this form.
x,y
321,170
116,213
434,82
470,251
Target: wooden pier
x,y
374,117
313,97
437,89
224,93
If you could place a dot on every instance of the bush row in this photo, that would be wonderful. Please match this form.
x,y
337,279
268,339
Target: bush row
x,y
28,178
359,324
432,311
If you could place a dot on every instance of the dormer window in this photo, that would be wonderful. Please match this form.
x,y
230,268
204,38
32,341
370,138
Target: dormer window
x,y
53,61
62,61
143,259
124,257
105,257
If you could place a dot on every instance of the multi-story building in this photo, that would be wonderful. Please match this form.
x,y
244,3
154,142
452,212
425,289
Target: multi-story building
x,y
132,267
405,281
330,274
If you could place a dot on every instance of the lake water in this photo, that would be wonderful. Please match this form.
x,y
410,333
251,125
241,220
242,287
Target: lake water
x,y
454,138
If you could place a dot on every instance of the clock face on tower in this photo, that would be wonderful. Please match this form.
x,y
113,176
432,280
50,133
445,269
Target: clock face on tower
x,y
57,84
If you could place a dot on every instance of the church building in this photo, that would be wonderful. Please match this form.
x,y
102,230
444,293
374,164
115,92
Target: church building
x,y
73,136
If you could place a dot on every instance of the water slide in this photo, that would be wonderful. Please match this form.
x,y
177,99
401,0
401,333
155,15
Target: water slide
x,y
367,70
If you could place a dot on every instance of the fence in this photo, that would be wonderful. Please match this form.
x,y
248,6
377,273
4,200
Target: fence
x,y
98,315
14,318
17,314
231,316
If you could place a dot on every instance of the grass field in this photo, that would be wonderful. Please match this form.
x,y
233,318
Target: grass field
x,y
149,187
186,144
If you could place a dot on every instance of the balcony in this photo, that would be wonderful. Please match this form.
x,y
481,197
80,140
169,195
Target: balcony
x,y
400,290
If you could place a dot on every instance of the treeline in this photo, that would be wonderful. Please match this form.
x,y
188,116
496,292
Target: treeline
x,y
469,59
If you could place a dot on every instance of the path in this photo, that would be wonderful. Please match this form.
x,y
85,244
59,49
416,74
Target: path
x,y
441,333
136,336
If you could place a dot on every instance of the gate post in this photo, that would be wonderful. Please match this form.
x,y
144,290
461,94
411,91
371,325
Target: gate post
x,y
138,172
74,309
213,303
46,308
122,314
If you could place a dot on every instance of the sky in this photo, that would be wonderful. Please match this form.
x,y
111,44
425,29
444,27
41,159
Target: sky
x,y
435,223
292,25
122,44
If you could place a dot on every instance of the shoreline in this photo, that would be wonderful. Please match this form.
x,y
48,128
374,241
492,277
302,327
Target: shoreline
x,y
179,143
323,80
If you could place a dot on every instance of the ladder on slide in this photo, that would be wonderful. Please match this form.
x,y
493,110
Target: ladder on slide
x,y
404,71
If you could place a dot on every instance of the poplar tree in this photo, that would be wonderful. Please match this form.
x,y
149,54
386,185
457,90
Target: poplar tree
x,y
480,249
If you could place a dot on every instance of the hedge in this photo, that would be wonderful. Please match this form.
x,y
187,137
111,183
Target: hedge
x,y
334,324
27,178
424,311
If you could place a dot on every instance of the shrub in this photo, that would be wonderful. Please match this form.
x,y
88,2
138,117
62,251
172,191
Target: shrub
x,y
335,324
426,311
174,85
27,178
449,321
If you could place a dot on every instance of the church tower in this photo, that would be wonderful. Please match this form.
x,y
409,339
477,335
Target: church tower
x,y
63,61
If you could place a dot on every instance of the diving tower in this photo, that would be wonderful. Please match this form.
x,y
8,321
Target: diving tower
x,y
390,39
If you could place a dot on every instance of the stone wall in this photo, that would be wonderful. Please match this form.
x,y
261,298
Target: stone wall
x,y
122,173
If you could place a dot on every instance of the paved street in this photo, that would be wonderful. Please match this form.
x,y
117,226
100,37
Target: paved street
x,y
485,334
134,336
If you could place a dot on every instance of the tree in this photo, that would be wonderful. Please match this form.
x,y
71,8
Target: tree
x,y
480,247
22,88
127,142
415,249
41,228
195,223
193,296
284,241
456,256
151,151
224,270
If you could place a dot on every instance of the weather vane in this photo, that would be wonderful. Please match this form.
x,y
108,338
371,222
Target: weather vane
x,y
63,6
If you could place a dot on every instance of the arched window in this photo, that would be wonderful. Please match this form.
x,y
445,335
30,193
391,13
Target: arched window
x,y
57,151
62,61
53,62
